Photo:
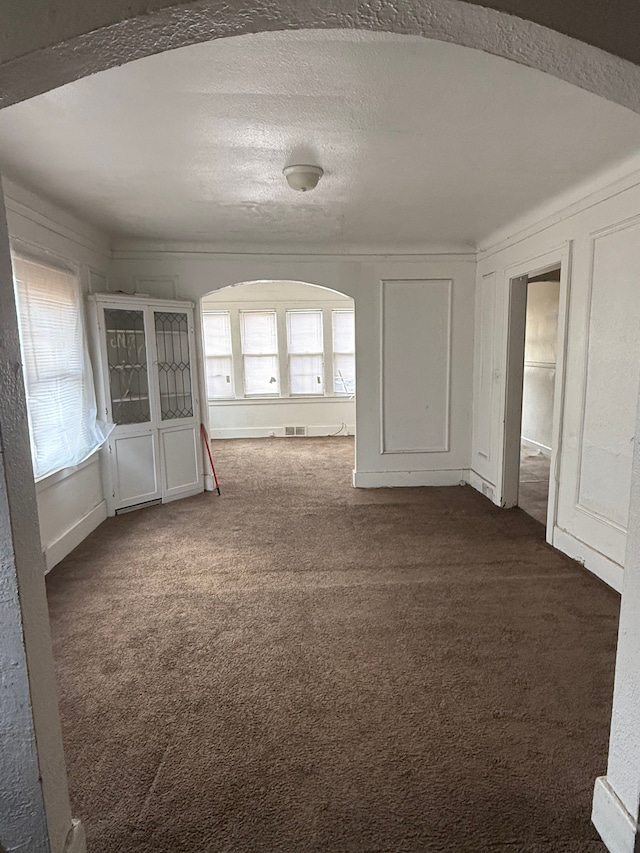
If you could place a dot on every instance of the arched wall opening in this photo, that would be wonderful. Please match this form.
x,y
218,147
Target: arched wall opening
x,y
279,360
456,22
77,40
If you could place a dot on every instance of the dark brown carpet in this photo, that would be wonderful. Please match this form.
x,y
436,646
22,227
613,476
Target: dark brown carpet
x,y
300,666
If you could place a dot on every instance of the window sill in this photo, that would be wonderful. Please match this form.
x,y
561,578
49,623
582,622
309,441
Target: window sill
x,y
262,401
46,482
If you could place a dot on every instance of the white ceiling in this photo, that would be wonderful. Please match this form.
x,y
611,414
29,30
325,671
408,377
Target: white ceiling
x,y
422,142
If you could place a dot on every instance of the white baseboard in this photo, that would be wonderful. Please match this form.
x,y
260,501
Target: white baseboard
x,y
485,487
278,432
616,826
403,479
531,443
76,839
602,567
71,538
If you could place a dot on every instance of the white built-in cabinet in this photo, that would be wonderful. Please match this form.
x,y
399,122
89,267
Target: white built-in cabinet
x,y
147,386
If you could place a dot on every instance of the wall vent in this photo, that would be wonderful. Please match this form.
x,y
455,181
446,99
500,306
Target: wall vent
x,y
295,430
289,430
301,430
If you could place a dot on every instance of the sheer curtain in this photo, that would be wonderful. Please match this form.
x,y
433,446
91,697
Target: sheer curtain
x,y
61,399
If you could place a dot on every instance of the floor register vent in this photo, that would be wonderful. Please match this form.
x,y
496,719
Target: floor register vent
x,y
295,430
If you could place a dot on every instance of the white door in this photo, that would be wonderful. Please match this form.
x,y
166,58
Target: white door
x,y
133,445
179,418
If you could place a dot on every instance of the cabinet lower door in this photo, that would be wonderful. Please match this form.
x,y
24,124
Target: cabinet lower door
x,y
134,468
180,455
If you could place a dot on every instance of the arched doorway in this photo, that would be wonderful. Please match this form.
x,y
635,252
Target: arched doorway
x,y
279,360
594,71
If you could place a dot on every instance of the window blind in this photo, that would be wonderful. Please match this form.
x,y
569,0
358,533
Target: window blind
x,y
258,330
306,364
218,354
344,347
61,400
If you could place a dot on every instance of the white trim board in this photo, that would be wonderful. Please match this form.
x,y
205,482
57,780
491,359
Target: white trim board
x,y
278,431
616,826
400,479
57,550
583,196
76,841
486,488
602,567
536,444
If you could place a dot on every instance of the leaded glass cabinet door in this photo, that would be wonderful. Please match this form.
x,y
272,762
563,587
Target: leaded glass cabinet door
x,y
127,365
174,364
132,471
179,422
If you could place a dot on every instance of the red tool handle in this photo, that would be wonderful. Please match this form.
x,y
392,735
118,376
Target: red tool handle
x,y
203,431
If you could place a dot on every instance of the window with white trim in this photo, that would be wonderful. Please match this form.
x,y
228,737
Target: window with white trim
x,y
219,355
344,352
259,336
287,351
61,401
306,352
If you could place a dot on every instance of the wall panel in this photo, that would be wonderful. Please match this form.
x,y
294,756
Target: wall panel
x,y
416,345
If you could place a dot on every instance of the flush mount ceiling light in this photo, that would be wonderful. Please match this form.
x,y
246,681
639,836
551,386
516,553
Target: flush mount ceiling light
x,y
302,178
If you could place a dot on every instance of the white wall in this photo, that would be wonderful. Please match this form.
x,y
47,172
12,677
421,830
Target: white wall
x,y
435,403
251,418
71,503
601,235
540,363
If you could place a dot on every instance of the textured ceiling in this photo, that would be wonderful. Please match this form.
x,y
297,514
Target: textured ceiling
x,y
421,141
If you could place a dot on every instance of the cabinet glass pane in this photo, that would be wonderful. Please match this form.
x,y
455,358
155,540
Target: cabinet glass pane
x,y
174,366
127,361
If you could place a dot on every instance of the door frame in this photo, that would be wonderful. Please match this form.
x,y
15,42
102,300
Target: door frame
x,y
516,283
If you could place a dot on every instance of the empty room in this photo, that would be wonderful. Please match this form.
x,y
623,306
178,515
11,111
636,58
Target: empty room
x,y
318,417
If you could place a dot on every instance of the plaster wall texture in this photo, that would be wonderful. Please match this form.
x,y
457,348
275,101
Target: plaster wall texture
x,y
46,44
44,230
540,361
602,354
33,787
444,410
257,418
623,773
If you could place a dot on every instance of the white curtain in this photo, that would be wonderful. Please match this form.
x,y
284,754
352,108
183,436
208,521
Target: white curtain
x,y
61,399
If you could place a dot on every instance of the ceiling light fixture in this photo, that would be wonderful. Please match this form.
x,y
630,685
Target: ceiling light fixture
x,y
302,178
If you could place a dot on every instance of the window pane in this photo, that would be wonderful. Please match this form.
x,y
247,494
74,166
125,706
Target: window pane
x,y
344,374
220,377
174,365
127,361
217,333
306,374
259,332
304,330
343,331
261,374
61,400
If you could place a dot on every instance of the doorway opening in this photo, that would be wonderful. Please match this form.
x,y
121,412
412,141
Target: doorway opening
x,y
279,360
539,376
535,357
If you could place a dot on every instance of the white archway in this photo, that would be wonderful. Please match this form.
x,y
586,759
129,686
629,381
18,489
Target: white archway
x,y
59,58
98,48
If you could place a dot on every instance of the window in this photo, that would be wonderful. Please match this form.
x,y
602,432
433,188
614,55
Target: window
x,y
260,353
219,355
293,349
59,386
344,348
306,359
